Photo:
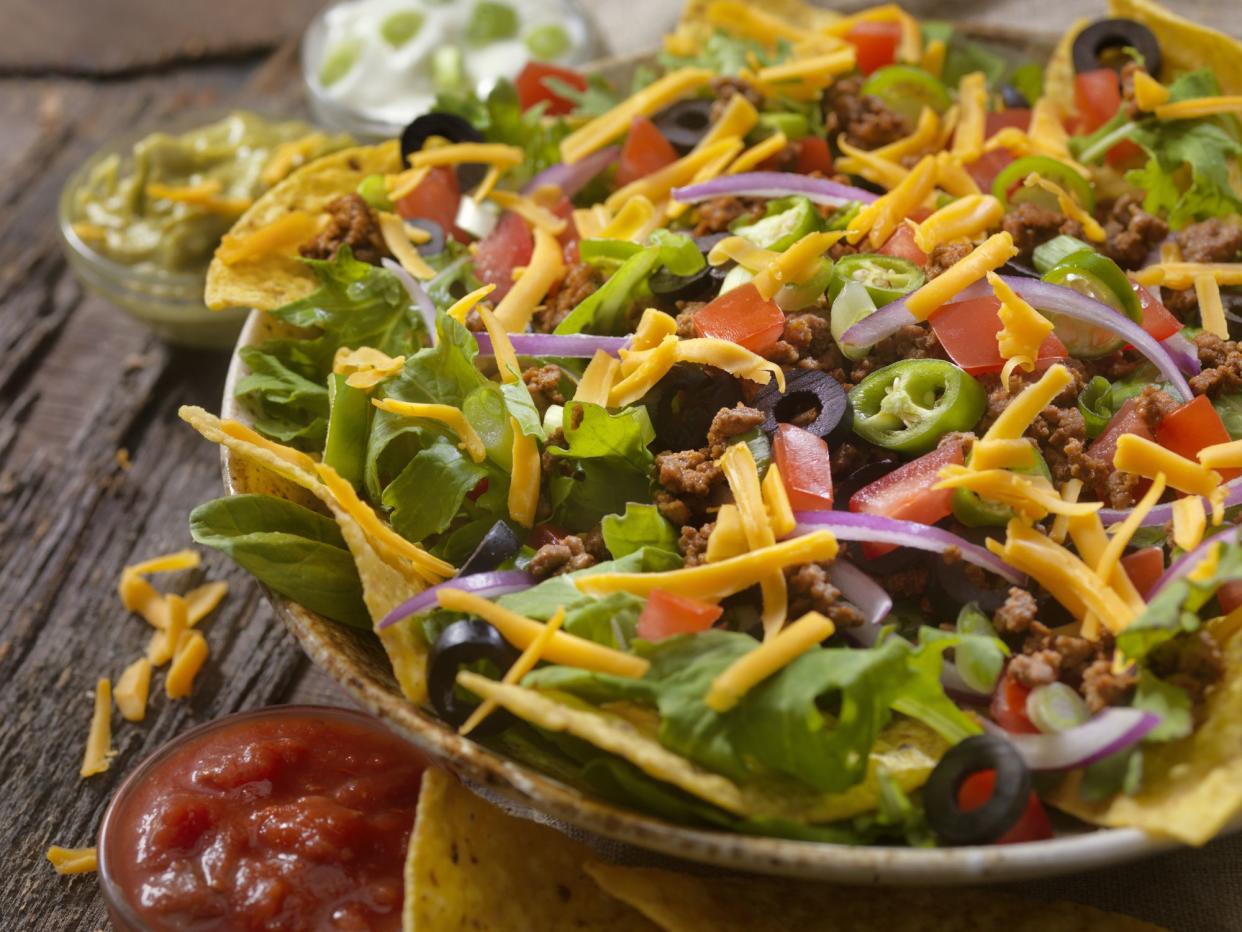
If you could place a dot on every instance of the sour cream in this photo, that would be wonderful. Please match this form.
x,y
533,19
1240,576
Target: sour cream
x,y
386,60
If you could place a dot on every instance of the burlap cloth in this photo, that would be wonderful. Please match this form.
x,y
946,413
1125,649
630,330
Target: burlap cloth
x,y
1193,890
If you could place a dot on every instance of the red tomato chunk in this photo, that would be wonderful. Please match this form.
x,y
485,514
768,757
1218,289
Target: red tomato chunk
x,y
875,43
908,493
805,468
285,823
666,615
743,317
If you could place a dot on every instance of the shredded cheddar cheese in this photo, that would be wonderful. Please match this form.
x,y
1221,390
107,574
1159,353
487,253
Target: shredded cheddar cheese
x,y
531,212
523,665
768,658
1142,457
461,308
740,471
365,367
1070,207
450,417
1148,92
597,379
188,661
1211,308
972,99
989,255
1189,522
1199,107
1020,413
964,218
98,752
881,217
1181,275
397,238
1023,329
132,689
796,264
546,267
776,498
759,152
163,644
524,481
73,860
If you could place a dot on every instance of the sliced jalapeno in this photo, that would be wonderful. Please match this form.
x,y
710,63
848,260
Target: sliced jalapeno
x,y
1060,174
906,89
973,510
886,278
1093,405
787,221
909,405
1049,255
794,125
1097,277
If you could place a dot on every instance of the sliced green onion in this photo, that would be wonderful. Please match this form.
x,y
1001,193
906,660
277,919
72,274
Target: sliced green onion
x,y
1048,255
491,21
547,41
979,662
736,277
448,69
1055,708
1093,405
852,304
794,125
339,62
374,191
401,27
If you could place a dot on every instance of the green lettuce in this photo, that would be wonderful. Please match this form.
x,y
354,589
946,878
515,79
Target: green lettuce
x,y
641,526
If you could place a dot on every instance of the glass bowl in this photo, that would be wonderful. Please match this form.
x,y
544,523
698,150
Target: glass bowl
x,y
125,918
340,116
169,303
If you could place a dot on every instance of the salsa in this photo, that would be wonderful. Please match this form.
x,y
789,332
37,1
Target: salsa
x,y
290,819
165,203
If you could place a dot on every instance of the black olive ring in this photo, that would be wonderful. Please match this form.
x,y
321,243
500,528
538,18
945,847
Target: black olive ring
x,y
805,389
1010,794
448,126
1118,33
461,643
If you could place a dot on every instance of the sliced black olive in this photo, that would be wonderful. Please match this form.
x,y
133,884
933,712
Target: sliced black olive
x,y
1013,267
1010,793
683,287
1094,44
683,404
461,643
433,246
448,126
685,123
1014,99
805,390
498,545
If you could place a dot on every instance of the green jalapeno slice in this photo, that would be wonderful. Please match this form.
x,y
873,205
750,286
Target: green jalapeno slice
x,y
909,405
906,89
787,220
886,278
1060,174
973,510
1098,277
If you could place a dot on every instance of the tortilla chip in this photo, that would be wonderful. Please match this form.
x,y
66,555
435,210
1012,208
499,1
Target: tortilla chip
x,y
473,866
1059,74
278,278
906,750
1186,46
686,903
387,580
1191,788
795,12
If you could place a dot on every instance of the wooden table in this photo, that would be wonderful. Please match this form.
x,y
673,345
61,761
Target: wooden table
x,y
79,383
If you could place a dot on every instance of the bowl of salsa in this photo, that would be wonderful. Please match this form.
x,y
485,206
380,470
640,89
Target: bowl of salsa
x,y
291,817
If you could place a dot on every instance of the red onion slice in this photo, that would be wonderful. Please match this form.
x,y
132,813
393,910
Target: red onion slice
x,y
1163,514
865,594
847,525
1188,561
549,344
573,178
1182,352
488,585
1112,730
418,295
773,184
1046,297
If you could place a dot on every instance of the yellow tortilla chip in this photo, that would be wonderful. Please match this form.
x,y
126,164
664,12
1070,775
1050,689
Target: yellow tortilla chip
x,y
686,903
473,866
280,277
906,750
1059,74
1187,46
1191,788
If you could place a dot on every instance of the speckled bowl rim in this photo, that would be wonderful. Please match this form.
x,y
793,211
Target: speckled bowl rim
x,y
539,796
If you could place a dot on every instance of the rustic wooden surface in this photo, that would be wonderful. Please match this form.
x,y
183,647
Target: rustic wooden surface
x,y
79,381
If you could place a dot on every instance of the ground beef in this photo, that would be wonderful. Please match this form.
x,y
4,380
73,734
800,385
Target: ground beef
x,y
1031,225
808,334
566,555
1222,366
999,398
811,590
909,582
687,480
1192,661
864,119
352,223
726,88
1102,686
692,544
1153,406
544,383
1062,438
715,215
1017,614
1045,657
782,353
1184,304
580,281
1038,668
841,249
685,319
1122,489
945,255
912,341
1215,240
1132,232
727,424
1117,364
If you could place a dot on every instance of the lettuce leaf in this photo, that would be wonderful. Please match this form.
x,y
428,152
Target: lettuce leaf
x,y
641,526
427,494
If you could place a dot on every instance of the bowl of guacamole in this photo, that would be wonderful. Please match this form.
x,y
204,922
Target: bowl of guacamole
x,y
141,218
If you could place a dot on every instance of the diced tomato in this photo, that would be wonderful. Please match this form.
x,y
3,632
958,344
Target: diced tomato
x,y
436,198
1230,596
479,489
743,317
805,468
532,90
1017,117
666,615
645,151
1097,95
1144,567
967,330
546,533
875,43
1127,420
814,156
985,168
906,493
508,246
1157,321
1008,707
1191,427
902,246
1032,825
564,208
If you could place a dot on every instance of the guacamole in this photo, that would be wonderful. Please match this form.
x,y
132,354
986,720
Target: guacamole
x,y
166,203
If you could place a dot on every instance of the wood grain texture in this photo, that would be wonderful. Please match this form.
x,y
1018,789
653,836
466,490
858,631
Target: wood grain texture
x,y
79,381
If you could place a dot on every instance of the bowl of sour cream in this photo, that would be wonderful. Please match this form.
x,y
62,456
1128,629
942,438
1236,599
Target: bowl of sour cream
x,y
371,66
